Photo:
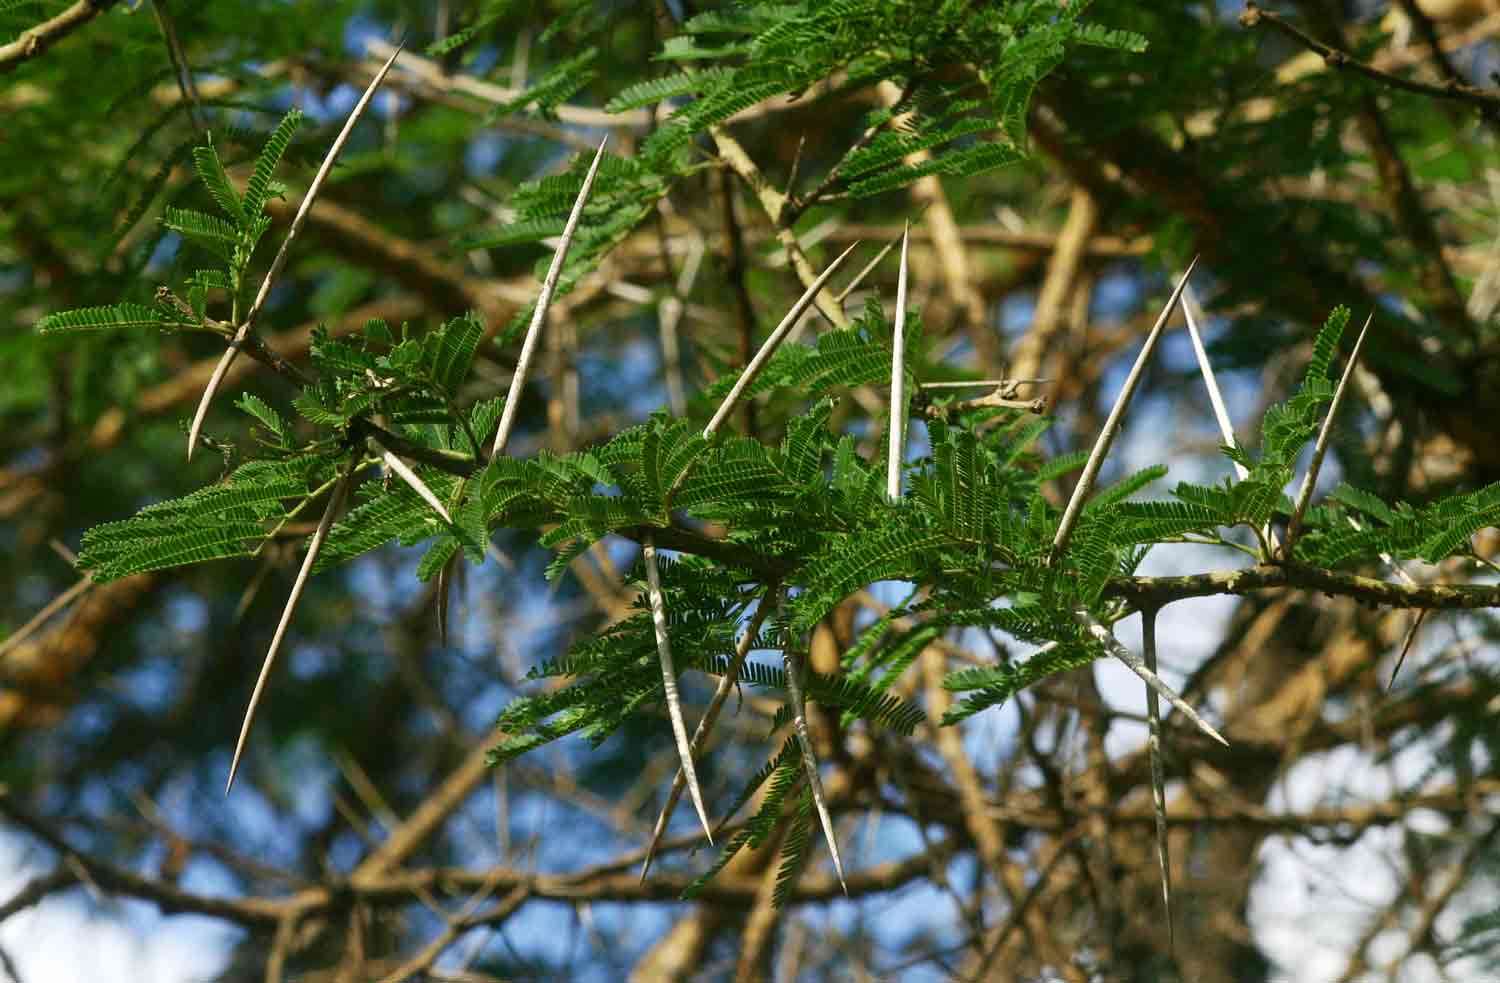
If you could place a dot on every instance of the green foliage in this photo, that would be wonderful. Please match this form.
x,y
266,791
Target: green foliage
x,y
111,317
805,510
230,518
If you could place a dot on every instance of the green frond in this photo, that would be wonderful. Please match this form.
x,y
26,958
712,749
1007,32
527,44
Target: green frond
x,y
1326,345
892,147
796,845
558,84
452,351
489,12
215,234
397,514
1362,501
111,317
992,686
437,556
652,91
1061,465
258,189
866,702
855,561
1150,522
958,163
223,520
1128,486
1114,39
515,233
211,173
268,417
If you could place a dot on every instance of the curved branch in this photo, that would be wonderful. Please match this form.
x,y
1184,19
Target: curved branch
x,y
36,40
1486,100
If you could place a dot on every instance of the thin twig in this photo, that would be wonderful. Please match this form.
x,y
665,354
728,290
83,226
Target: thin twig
x,y
1113,646
859,277
1158,775
248,325
543,300
320,535
669,680
1112,423
768,347
35,40
1002,386
793,663
51,608
898,385
1304,494
180,67
1486,100
773,204
727,683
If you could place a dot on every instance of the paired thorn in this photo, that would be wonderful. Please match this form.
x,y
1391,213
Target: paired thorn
x,y
769,346
1114,647
1112,423
1158,776
1215,396
1304,494
543,301
793,664
669,680
1190,311
320,535
248,324
898,381
710,717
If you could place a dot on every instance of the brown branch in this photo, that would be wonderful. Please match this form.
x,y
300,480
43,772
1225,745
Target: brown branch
x,y
250,912
1486,100
774,203
36,40
1144,591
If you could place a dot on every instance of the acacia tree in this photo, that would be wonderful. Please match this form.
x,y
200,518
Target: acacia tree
x,y
846,492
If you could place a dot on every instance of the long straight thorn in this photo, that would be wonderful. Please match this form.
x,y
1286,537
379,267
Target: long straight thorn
x,y
415,481
1304,494
793,665
769,346
1215,396
1158,775
543,301
898,382
248,324
669,680
1190,312
710,716
1114,647
335,502
1112,423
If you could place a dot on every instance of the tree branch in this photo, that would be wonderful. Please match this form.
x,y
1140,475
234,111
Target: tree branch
x,y
1145,591
36,40
1486,100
